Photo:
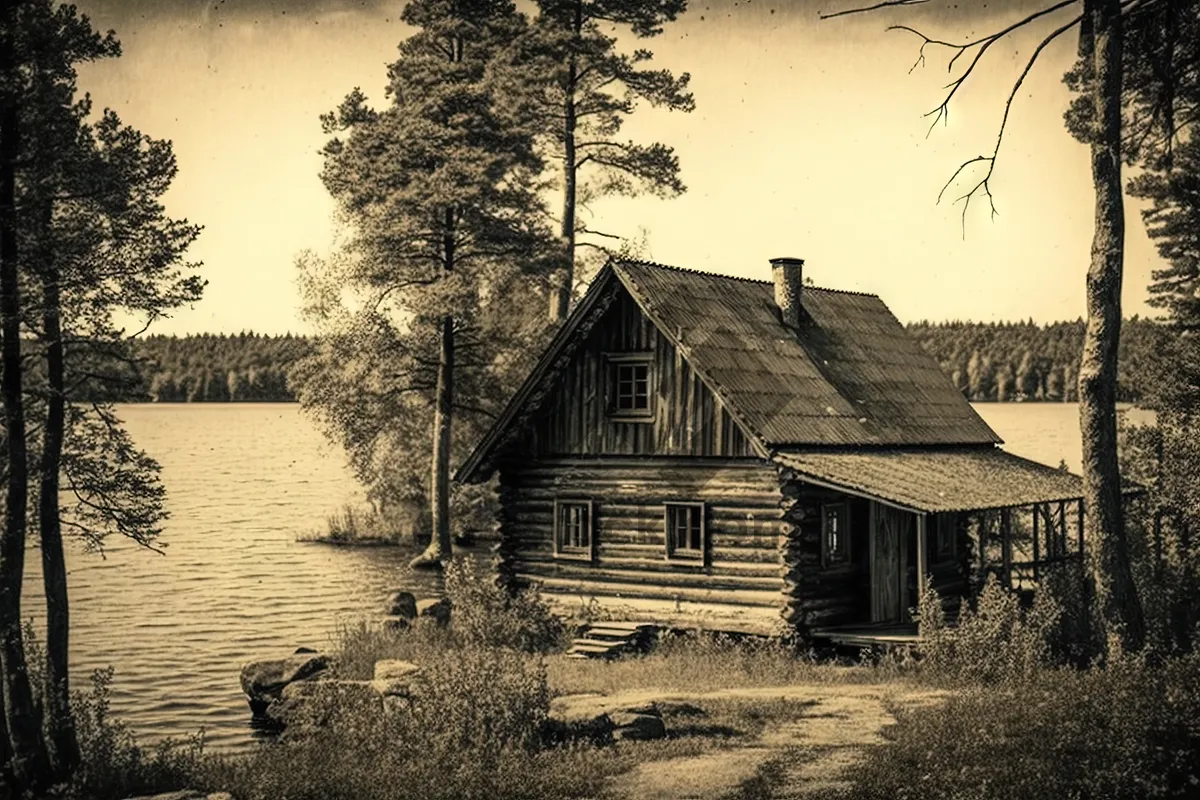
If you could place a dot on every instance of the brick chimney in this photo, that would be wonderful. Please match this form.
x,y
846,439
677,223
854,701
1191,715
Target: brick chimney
x,y
789,283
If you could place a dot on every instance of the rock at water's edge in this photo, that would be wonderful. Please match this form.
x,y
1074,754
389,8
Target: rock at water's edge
x,y
438,608
402,604
264,681
305,705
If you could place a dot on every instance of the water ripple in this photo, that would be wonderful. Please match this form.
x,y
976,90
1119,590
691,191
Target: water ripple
x,y
243,482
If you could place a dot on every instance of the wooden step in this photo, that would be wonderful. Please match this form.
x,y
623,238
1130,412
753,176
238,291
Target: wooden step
x,y
604,639
604,643
612,630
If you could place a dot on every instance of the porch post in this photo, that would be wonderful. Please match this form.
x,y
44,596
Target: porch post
x,y
1037,509
1006,545
921,565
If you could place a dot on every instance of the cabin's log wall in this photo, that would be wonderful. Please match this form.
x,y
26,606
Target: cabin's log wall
x,y
815,594
688,420
743,526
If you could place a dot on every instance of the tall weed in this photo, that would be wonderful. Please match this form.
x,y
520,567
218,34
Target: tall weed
x,y
997,641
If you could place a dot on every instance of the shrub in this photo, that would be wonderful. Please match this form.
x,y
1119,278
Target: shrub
x,y
470,731
112,764
994,642
487,615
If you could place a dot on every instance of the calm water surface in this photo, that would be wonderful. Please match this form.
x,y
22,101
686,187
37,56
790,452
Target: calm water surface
x,y
1046,432
244,480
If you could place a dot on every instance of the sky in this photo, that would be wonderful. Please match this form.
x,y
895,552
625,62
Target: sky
x,y
808,140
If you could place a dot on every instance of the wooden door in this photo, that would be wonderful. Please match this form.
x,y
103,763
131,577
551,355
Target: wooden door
x,y
888,529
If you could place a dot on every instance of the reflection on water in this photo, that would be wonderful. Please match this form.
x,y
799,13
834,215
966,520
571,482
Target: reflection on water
x,y
243,481
234,585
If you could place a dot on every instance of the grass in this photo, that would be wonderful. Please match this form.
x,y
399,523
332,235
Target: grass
x,y
697,663
1016,726
1128,730
357,527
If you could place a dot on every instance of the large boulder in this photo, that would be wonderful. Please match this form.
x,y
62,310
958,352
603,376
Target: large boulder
x,y
601,719
637,725
264,681
436,608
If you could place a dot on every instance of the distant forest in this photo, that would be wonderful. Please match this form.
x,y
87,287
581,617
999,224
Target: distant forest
x,y
1009,361
208,368
1002,361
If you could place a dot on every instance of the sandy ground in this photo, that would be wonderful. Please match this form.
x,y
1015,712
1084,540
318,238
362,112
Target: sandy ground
x,y
800,758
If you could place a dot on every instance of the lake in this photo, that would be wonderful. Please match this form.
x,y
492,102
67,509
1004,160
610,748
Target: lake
x,y
243,481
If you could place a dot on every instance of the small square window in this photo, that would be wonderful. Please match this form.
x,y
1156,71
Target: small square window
x,y
685,529
629,393
573,527
835,533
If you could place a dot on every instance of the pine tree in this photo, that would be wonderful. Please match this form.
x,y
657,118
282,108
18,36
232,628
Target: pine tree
x,y
585,89
441,189
98,241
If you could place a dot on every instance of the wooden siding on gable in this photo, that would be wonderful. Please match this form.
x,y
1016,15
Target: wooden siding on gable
x,y
687,420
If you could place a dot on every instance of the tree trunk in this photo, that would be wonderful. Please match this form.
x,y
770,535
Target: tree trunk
x,y
563,288
60,727
28,752
440,545
1115,599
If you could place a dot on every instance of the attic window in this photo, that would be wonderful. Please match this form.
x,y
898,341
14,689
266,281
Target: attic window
x,y
629,386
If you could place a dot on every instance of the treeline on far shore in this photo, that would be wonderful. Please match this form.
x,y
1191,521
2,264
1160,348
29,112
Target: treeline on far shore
x,y
1026,361
993,361
217,368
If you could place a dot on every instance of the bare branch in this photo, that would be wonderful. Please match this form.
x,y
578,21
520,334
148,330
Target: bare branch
x,y
598,233
876,7
942,112
985,183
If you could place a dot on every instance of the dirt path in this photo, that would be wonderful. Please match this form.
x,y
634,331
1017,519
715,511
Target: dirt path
x,y
791,760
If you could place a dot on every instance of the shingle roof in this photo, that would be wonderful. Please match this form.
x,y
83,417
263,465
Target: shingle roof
x,y
944,479
853,375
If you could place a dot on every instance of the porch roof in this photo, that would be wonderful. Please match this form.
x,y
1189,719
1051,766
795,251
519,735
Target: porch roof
x,y
936,479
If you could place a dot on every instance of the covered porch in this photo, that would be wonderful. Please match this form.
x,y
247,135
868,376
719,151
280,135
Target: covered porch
x,y
941,518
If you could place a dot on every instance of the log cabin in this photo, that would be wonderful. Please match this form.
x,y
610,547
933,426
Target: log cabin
x,y
769,457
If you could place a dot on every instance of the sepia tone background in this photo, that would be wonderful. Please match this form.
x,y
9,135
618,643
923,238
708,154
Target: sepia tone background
x,y
808,140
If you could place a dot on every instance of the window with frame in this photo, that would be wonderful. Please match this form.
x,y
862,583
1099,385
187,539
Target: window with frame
x,y
945,537
835,533
629,394
573,534
686,534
